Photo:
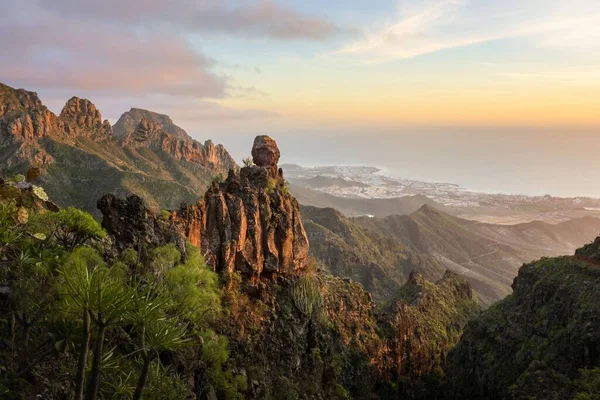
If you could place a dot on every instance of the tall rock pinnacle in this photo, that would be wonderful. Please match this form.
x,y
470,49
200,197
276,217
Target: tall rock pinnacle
x,y
248,224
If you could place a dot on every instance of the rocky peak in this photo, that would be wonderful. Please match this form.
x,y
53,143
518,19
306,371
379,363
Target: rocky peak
x,y
23,117
145,134
129,121
247,224
265,154
150,133
82,118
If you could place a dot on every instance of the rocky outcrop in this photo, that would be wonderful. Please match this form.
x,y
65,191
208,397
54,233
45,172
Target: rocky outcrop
x,y
89,162
534,343
23,117
249,223
131,119
82,118
150,133
265,154
134,225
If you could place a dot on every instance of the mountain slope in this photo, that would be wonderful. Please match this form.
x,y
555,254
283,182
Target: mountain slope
x,y
382,264
381,252
536,343
81,159
488,255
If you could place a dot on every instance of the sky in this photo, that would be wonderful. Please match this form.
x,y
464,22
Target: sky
x,y
378,71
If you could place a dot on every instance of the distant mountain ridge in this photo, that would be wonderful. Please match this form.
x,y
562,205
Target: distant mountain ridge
x,y
129,121
81,158
381,252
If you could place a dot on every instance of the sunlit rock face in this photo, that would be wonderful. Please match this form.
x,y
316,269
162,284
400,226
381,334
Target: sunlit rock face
x,y
23,117
82,118
150,133
249,223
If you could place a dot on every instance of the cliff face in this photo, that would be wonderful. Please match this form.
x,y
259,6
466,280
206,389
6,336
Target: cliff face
x,y
82,118
533,344
150,134
23,117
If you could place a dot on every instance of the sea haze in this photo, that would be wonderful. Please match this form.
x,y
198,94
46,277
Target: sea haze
x,y
511,161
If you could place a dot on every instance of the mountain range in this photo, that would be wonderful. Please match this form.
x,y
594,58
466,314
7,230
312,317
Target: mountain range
x,y
380,253
389,309
82,158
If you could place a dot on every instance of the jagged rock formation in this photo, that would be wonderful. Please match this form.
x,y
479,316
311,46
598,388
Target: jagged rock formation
x,y
249,223
265,153
131,119
150,133
23,117
82,118
532,344
81,161
133,225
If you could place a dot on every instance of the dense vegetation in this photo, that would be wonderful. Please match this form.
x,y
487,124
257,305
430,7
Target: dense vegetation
x,y
79,319
541,342
85,317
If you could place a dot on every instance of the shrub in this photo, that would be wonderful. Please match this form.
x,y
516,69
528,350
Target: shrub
x,y
271,186
248,162
307,296
72,227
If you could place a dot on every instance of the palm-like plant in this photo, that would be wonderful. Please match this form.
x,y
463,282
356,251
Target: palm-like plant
x,y
102,299
76,288
110,300
156,332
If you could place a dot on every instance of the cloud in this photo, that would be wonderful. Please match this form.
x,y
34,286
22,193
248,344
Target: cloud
x,y
139,50
262,18
423,27
88,58
51,51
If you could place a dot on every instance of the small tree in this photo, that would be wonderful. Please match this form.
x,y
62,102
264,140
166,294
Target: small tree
x,y
307,296
155,335
193,288
72,227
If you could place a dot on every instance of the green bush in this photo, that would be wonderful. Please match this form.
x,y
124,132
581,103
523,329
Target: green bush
x,y
588,385
70,227
307,296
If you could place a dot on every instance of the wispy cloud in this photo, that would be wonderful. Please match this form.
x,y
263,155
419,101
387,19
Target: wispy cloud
x,y
140,49
264,18
426,27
